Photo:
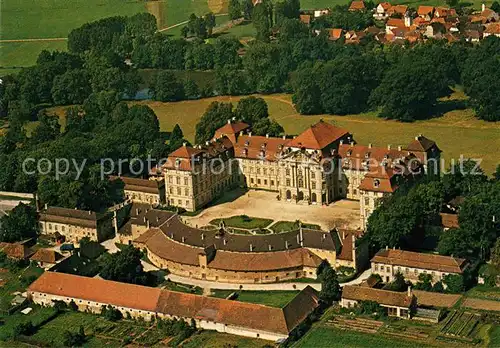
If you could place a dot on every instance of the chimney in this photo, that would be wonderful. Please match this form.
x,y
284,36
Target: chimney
x,y
144,219
267,135
207,143
251,247
286,244
409,291
370,145
386,247
341,142
46,206
225,242
172,235
389,147
184,144
343,234
323,237
203,236
284,137
241,133
352,143
400,148
90,212
249,134
270,247
483,7
136,211
229,121
183,239
147,224
301,236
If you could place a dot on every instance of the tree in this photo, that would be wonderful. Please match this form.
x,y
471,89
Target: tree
x,y
496,175
185,31
495,6
167,87
234,9
111,313
74,339
454,283
454,242
438,287
124,266
268,127
191,89
72,87
405,98
307,93
20,224
247,8
214,117
399,283
90,249
251,109
210,22
261,21
424,282
48,129
176,138
330,288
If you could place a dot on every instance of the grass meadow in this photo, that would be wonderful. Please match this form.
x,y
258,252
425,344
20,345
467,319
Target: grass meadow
x,y
457,132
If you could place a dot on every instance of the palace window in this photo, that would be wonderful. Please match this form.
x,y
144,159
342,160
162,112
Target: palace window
x,y
178,180
376,183
258,170
272,182
313,175
179,191
301,182
313,185
287,171
185,181
258,181
186,192
265,182
287,182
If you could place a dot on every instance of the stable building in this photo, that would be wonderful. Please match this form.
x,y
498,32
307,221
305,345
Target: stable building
x,y
148,191
388,262
398,304
233,317
76,224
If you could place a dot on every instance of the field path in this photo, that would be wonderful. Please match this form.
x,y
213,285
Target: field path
x,y
185,22
35,40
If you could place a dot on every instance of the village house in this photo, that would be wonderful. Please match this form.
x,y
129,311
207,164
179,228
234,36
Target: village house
x,y
425,12
232,317
388,262
149,191
17,250
357,6
398,304
320,13
492,29
381,10
75,224
46,258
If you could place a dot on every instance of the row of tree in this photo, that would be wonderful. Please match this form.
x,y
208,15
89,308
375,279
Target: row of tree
x,y
406,218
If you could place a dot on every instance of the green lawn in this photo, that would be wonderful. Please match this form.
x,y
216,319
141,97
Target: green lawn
x,y
269,298
484,292
243,221
285,226
23,54
243,30
321,336
37,316
15,281
494,334
212,339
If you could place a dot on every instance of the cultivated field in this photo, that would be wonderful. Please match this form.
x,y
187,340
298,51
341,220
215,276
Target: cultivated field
x,y
457,133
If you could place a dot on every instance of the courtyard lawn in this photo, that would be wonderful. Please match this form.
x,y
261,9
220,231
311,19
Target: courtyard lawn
x,y
243,221
285,226
322,336
268,298
213,339
457,132
169,285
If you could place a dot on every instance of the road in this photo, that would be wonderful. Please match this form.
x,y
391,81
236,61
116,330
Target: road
x,y
260,287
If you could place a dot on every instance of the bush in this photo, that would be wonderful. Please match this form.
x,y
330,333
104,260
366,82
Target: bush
x,y
111,313
25,328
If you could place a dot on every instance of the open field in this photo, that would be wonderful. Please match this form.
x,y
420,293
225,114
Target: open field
x,y
457,133
268,298
484,292
322,336
212,339
23,54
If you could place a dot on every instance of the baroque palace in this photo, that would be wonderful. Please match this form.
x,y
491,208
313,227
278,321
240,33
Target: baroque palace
x,y
321,165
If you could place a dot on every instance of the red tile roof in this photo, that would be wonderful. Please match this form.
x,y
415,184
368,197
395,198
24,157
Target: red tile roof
x,y
385,5
46,255
16,250
140,185
449,220
335,33
97,290
384,297
306,19
318,136
241,314
396,22
425,10
421,144
420,260
259,147
231,128
397,9
357,5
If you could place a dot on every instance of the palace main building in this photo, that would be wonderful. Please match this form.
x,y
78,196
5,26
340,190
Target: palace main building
x,y
321,165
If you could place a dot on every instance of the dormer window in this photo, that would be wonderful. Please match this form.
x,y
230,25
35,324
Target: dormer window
x,y
367,155
376,183
177,162
349,152
247,143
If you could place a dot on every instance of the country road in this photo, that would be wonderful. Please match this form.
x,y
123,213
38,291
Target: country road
x,y
35,40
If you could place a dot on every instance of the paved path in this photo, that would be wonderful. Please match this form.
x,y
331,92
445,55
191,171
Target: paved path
x,y
260,287
263,204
